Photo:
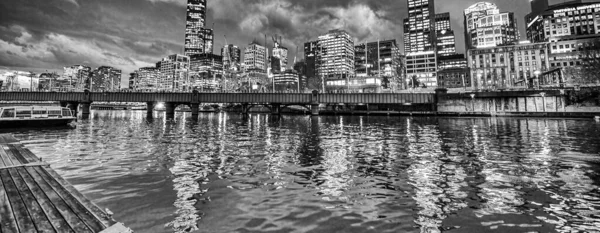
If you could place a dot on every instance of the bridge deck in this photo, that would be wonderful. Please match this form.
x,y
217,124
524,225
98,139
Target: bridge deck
x,y
34,198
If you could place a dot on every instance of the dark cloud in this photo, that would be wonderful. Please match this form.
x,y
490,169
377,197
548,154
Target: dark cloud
x,y
50,34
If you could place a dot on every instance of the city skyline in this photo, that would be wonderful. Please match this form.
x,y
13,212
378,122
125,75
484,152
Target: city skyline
x,y
51,34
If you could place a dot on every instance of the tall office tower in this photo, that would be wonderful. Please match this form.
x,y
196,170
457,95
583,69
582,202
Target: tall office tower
x,y
486,26
335,58
445,39
105,78
281,55
310,58
198,40
255,58
420,42
174,71
147,79
231,57
377,58
565,21
78,77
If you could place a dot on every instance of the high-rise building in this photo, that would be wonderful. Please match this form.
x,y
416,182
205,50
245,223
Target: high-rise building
x,y
335,58
539,6
105,78
174,70
231,57
377,58
78,76
445,39
198,39
146,79
420,42
486,26
310,59
255,58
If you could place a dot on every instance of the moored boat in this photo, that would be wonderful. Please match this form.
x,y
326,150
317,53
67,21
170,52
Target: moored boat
x,y
34,116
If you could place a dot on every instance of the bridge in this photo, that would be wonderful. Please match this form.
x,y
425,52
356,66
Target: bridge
x,y
274,101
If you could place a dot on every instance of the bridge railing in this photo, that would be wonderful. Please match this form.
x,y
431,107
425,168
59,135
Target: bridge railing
x,y
379,98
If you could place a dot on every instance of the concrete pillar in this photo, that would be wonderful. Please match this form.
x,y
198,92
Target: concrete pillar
x,y
245,109
149,109
195,110
276,109
85,110
170,110
314,109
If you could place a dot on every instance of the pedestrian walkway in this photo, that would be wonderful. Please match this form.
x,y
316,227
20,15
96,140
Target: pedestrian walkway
x,y
34,198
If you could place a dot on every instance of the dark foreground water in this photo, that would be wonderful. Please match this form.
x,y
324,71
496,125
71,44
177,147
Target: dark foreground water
x,y
223,173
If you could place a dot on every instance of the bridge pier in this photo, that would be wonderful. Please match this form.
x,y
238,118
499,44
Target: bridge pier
x,y
275,109
85,110
73,107
245,108
195,110
149,109
314,109
170,110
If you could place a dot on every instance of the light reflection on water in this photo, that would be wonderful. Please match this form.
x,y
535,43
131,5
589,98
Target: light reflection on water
x,y
224,173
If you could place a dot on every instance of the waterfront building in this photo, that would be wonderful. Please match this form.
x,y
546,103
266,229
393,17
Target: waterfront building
x,y
147,79
445,39
198,39
485,26
232,56
133,79
206,70
377,58
286,81
456,77
255,58
420,42
335,56
566,21
174,71
452,61
301,69
507,66
104,78
78,76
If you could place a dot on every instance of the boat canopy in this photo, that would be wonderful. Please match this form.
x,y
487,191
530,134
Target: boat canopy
x,y
35,112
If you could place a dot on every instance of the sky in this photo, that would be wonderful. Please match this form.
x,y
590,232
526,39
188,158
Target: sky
x,y
40,35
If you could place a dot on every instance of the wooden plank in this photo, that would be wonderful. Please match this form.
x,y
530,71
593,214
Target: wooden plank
x,y
11,156
7,219
18,154
3,157
70,217
7,138
67,193
41,222
26,153
24,221
52,214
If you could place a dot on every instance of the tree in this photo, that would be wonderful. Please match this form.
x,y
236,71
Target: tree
x,y
414,82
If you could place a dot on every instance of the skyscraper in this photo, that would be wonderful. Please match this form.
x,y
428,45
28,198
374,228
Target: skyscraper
x,y
335,58
377,58
198,39
280,54
105,78
445,40
420,42
174,71
310,58
485,26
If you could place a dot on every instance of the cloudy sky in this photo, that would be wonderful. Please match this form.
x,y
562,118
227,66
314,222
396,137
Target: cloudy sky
x,y
38,35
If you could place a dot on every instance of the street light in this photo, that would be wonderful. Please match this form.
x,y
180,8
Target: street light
x,y
473,102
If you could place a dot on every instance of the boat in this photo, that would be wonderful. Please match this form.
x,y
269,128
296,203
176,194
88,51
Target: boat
x,y
35,116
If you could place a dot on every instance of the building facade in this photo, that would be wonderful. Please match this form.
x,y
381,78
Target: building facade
x,y
420,42
485,26
454,78
286,81
377,58
174,70
280,54
198,39
445,39
104,78
310,59
508,66
147,79
255,58
565,21
335,55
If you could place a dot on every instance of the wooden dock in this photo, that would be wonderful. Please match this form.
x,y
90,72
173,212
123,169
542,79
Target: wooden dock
x,y
34,198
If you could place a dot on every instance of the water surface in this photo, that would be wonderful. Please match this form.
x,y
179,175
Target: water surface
x,y
226,173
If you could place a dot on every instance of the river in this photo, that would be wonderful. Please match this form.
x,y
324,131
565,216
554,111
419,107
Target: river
x,y
226,173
